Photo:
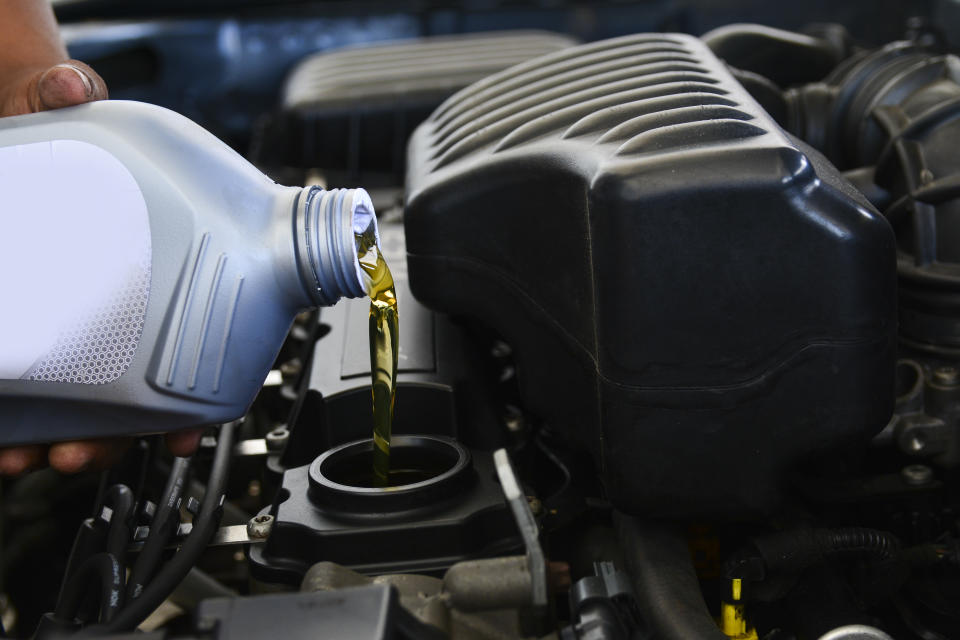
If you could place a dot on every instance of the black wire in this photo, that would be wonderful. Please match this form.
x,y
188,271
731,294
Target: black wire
x,y
120,499
106,568
102,484
204,526
92,538
165,523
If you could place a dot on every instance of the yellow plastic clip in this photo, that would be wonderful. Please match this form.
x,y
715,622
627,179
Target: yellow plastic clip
x,y
733,622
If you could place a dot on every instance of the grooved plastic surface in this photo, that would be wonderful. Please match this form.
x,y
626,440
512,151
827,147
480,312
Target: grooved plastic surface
x,y
626,86
410,68
684,285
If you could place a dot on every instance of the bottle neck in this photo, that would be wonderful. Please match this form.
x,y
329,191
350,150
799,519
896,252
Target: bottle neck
x,y
327,225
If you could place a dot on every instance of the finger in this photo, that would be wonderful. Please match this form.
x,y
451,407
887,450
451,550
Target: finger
x,y
184,443
19,459
72,457
67,84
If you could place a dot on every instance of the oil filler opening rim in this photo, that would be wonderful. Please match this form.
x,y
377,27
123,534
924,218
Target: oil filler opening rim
x,y
446,463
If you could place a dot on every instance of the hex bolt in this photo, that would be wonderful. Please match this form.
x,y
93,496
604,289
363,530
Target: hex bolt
x,y
947,376
291,368
917,475
259,526
277,439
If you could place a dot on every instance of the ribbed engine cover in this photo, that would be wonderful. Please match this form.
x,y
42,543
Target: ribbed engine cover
x,y
695,298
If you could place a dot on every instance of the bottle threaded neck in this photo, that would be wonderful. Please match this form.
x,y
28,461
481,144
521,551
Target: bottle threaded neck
x,y
328,223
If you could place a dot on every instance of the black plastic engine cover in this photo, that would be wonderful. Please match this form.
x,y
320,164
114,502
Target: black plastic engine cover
x,y
692,295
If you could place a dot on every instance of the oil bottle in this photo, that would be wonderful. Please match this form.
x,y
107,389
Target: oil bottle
x,y
149,274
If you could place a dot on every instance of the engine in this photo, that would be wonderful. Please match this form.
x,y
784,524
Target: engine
x,y
678,359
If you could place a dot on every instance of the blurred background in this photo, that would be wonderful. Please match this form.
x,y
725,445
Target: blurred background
x,y
223,62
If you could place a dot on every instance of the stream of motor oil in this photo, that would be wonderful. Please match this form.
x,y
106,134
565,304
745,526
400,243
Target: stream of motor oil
x,y
384,348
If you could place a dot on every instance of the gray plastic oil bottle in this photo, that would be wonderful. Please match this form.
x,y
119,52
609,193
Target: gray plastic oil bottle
x,y
148,273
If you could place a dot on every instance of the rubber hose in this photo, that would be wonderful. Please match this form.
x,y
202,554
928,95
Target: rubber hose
x,y
106,569
664,581
797,550
120,499
880,544
204,527
165,524
785,57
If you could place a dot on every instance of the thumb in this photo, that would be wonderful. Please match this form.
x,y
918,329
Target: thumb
x,y
66,84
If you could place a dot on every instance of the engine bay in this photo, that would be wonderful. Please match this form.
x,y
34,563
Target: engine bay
x,y
678,349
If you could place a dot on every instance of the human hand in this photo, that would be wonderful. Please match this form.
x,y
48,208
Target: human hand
x,y
72,457
62,85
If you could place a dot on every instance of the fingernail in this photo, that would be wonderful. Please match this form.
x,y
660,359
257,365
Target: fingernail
x,y
87,85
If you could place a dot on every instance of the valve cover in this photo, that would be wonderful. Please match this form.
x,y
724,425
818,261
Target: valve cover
x,y
694,297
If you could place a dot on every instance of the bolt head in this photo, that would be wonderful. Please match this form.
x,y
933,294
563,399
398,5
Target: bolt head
x,y
259,526
917,475
947,376
277,439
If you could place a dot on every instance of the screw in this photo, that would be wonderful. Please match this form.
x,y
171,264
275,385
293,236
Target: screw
x,y
536,507
917,475
500,349
513,420
291,368
259,526
277,439
206,623
946,376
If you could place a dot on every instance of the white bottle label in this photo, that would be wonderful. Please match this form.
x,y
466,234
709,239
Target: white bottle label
x,y
74,263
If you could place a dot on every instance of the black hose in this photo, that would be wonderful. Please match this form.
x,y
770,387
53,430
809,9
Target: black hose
x,y
120,499
883,546
204,526
90,539
165,524
796,550
785,57
664,581
93,536
107,570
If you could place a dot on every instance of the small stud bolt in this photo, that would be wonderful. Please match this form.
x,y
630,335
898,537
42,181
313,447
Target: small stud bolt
x,y
946,376
536,507
917,475
277,439
259,526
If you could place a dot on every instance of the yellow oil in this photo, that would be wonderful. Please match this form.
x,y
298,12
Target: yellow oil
x,y
384,348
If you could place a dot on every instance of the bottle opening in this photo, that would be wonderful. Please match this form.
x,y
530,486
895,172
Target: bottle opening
x,y
327,224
